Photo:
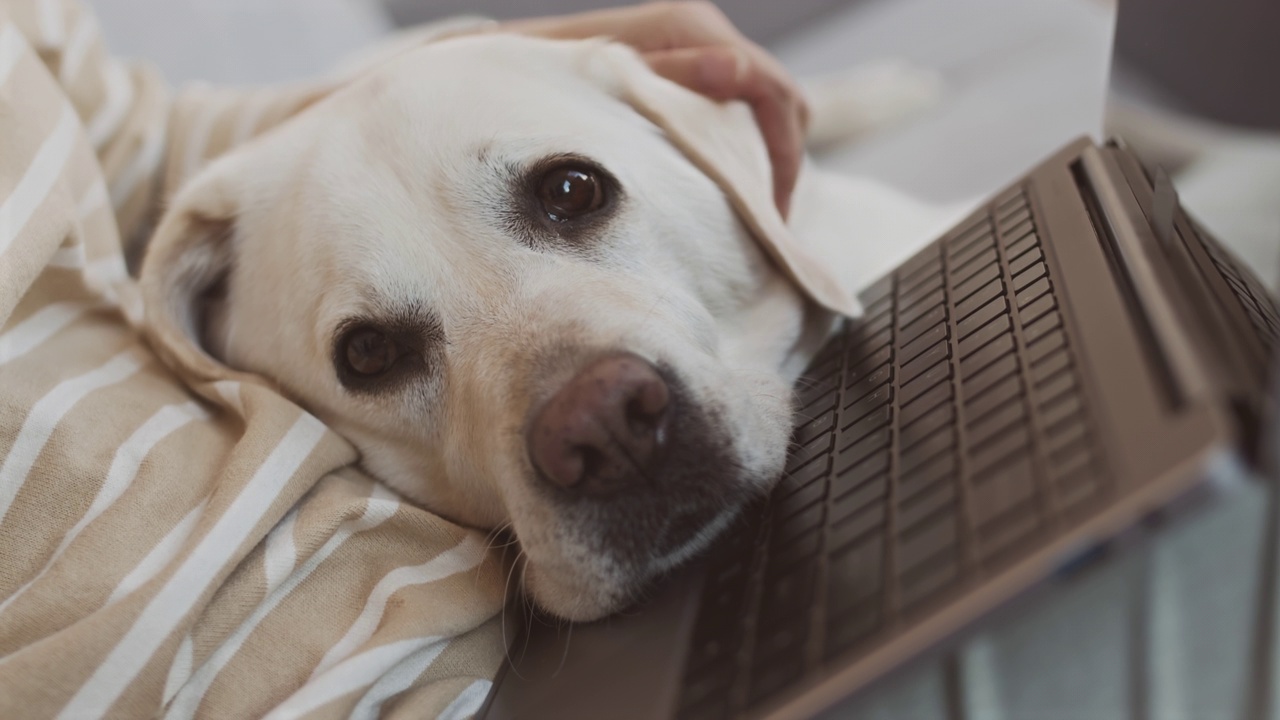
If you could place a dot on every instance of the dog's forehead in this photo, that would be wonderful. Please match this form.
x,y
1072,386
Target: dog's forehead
x,y
429,134
448,118
412,165
473,89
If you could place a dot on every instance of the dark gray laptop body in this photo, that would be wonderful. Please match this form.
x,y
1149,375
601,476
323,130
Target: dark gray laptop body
x,y
1075,358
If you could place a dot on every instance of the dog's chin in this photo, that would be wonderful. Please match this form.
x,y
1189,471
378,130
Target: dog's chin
x,y
578,599
604,582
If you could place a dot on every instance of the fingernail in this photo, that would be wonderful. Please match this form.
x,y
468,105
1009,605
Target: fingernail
x,y
718,71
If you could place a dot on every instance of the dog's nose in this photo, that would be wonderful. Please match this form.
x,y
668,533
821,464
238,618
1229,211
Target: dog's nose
x,y
605,430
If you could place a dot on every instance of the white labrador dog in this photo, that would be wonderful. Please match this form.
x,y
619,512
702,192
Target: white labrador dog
x,y
534,284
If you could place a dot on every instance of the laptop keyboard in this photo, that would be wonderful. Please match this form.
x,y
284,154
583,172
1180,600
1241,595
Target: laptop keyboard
x,y
1258,304
941,436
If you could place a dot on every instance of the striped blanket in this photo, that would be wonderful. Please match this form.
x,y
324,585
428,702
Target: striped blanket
x,y
173,546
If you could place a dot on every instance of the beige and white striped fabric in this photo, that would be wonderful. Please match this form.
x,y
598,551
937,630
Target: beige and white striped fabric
x,y
173,547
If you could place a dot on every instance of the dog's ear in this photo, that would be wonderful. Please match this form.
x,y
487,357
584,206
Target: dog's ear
x,y
723,141
186,269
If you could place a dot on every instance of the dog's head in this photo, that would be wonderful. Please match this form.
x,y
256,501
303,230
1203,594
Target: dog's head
x,y
514,294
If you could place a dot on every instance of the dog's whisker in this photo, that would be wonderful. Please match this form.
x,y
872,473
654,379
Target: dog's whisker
x,y
506,600
495,534
529,617
564,655
491,546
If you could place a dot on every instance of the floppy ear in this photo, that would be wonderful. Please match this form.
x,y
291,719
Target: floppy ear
x,y
722,140
185,271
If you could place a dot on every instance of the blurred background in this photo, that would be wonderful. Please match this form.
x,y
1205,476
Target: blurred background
x,y
1019,78
1172,631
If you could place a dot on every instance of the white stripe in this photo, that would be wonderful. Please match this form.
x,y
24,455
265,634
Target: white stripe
x,y
395,681
45,416
192,578
39,178
349,675
229,391
42,325
180,670
49,20
468,701
77,46
380,507
463,556
107,271
69,257
106,121
142,168
94,197
160,556
281,554
124,468
11,45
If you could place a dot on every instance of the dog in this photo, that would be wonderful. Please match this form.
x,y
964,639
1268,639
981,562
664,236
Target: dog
x,y
538,287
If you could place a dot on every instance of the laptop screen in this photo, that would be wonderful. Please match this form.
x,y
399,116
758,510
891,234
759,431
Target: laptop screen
x,y
1192,90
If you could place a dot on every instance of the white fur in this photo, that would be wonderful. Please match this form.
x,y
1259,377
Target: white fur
x,y
390,191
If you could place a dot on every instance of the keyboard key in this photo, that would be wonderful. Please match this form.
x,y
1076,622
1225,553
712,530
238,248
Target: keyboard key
x,y
800,547
1008,486
795,480
772,677
991,340
854,474
927,538
920,428
924,506
927,471
855,574
713,681
1007,389
939,373
916,363
858,524
929,578
925,403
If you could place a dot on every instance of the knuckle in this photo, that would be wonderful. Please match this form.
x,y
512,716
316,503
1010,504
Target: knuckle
x,y
702,11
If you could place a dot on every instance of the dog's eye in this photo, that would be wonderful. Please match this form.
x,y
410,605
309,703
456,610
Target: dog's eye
x,y
369,353
570,191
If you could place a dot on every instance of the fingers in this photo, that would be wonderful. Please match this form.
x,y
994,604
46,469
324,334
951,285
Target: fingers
x,y
646,26
716,72
692,43
783,130
735,73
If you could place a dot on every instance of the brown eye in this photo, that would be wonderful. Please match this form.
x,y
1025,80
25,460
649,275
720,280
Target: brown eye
x,y
369,352
570,191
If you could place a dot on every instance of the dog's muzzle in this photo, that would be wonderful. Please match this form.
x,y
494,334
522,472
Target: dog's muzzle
x,y
634,465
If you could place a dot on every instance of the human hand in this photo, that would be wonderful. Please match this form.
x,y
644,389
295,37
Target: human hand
x,y
692,43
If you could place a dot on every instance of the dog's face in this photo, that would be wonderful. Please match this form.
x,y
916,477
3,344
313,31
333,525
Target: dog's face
x,y
515,296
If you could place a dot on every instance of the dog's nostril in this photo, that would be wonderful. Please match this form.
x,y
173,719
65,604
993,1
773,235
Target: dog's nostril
x,y
648,408
605,430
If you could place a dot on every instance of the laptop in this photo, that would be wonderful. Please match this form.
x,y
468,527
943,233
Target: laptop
x,y
1074,359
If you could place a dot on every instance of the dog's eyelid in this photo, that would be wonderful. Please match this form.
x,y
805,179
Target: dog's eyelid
x,y
418,339
568,220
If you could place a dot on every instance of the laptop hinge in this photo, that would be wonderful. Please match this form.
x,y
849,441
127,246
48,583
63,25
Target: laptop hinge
x,y
1134,248
1240,353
